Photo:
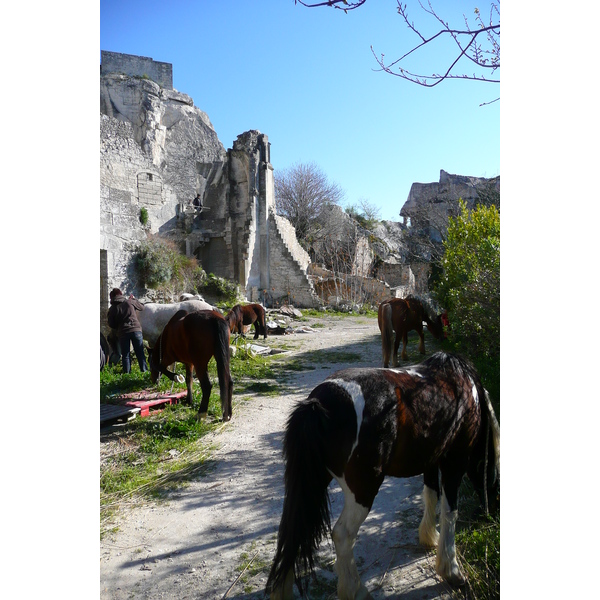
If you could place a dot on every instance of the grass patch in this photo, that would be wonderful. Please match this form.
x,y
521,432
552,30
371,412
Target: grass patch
x,y
150,456
334,356
251,565
478,546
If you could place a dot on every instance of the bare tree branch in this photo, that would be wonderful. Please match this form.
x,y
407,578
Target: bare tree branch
x,y
480,44
467,41
302,192
333,4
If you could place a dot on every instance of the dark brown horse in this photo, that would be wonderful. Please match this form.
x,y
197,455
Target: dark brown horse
x,y
361,425
246,314
401,315
193,339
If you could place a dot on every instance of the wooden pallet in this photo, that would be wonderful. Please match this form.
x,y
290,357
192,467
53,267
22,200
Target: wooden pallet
x,y
144,406
127,406
115,413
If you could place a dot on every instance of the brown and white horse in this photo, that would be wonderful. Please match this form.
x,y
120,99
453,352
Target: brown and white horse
x,y
361,425
155,316
246,314
401,315
194,338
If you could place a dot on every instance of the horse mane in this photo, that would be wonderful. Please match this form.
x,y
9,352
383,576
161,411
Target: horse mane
x,y
428,306
234,315
459,365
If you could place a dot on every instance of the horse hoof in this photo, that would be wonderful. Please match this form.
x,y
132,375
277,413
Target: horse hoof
x,y
201,416
363,593
456,580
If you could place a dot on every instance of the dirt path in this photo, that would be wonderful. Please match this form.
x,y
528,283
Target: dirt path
x,y
196,543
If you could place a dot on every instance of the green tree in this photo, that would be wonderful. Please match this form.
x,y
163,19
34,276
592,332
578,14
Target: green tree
x,y
469,288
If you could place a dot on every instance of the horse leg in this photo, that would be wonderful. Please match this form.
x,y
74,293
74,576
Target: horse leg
x,y
344,537
446,562
404,344
396,346
421,341
428,535
189,380
172,376
256,328
206,386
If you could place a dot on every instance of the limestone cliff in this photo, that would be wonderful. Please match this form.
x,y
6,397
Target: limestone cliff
x,y
157,152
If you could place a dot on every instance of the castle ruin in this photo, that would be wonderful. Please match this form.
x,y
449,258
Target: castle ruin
x,y
157,152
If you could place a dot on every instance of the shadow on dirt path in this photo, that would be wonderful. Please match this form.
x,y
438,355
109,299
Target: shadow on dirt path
x,y
216,536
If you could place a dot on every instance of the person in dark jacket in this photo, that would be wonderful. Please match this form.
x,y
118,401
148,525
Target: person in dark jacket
x,y
123,318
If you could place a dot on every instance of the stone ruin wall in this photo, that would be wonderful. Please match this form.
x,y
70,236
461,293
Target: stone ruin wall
x,y
289,263
138,66
157,152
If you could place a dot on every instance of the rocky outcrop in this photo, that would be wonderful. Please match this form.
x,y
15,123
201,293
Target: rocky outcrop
x,y
157,152
429,205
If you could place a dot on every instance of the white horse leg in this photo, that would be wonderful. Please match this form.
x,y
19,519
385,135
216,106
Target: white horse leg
x,y
428,535
286,591
344,537
446,563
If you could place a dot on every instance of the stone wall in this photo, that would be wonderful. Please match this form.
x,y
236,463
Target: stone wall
x,y
157,152
137,66
288,264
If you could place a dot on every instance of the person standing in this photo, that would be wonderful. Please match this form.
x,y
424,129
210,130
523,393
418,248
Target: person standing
x,y
197,203
123,318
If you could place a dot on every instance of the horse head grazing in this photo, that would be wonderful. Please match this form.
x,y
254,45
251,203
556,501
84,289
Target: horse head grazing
x,y
361,425
435,326
235,319
154,363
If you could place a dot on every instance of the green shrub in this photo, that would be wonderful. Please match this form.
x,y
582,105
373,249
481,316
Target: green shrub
x,y
469,289
161,266
143,215
224,290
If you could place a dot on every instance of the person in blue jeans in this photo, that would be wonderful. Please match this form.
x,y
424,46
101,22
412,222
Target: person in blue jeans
x,y
123,318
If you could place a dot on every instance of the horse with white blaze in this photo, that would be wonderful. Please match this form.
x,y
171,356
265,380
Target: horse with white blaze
x,y
361,425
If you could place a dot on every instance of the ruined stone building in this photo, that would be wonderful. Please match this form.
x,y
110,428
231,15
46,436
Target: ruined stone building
x,y
425,217
157,152
429,205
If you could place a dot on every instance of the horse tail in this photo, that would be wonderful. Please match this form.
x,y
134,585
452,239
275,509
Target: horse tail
x,y
222,359
495,428
387,332
262,319
306,516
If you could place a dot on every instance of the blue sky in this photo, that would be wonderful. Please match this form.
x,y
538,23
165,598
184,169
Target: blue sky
x,y
307,79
